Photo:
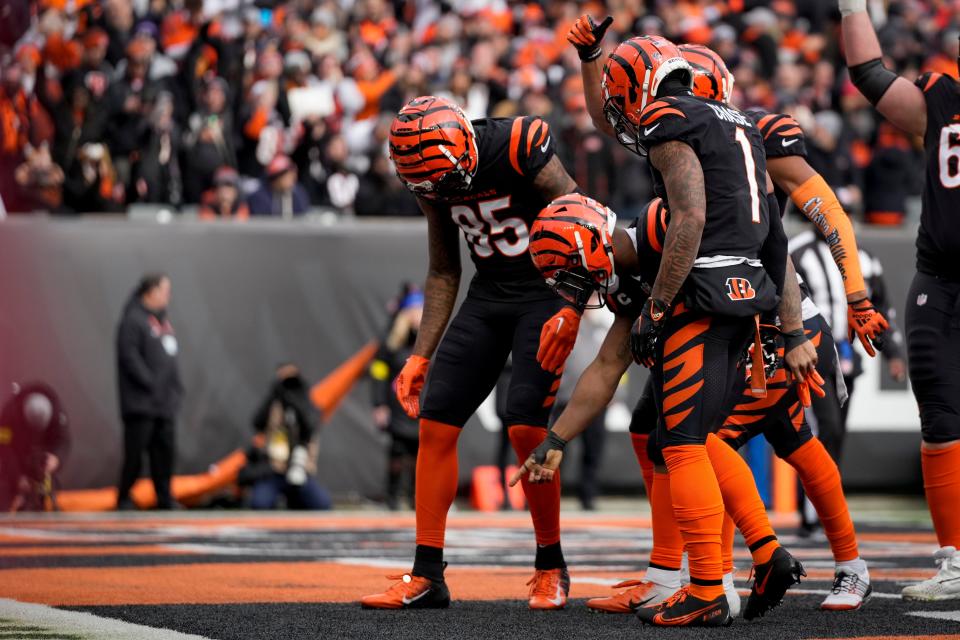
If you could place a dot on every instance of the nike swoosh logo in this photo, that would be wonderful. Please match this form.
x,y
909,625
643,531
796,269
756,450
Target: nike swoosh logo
x,y
559,325
761,587
787,143
690,617
407,600
647,132
637,604
543,147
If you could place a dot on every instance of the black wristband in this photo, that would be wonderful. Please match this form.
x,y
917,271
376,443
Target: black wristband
x,y
792,339
552,442
555,441
872,79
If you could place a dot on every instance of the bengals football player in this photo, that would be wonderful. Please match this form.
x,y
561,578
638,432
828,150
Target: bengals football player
x,y
929,107
486,179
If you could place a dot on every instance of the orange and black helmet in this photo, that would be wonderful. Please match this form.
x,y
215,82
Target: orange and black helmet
x,y
571,244
632,77
433,147
711,79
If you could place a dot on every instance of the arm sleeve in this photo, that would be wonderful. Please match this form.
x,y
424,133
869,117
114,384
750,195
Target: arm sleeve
x,y
782,135
819,204
531,146
132,363
773,253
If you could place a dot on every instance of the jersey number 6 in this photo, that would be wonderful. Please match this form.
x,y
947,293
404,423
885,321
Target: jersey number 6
x,y
950,156
486,233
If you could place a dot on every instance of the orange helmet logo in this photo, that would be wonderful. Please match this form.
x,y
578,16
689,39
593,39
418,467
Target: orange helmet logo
x,y
740,289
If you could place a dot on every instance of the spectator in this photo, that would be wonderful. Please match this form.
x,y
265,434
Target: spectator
x,y
380,192
91,182
286,447
23,121
33,444
40,180
150,389
587,153
342,183
388,415
279,195
156,172
223,201
128,100
208,143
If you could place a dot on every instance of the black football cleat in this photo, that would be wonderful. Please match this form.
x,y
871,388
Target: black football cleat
x,y
683,609
771,581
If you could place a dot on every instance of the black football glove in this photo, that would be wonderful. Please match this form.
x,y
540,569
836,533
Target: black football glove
x,y
586,35
550,443
646,332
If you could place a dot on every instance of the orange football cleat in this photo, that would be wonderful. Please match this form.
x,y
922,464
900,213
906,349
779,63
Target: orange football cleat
x,y
637,593
410,592
549,589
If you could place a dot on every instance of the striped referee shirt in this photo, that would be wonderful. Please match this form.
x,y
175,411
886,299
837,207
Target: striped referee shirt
x,y
814,264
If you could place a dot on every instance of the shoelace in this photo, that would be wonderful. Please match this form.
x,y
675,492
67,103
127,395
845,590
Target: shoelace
x,y
846,583
546,587
676,598
400,584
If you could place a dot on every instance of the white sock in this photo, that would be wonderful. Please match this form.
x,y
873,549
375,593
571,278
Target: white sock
x,y
858,566
664,577
728,581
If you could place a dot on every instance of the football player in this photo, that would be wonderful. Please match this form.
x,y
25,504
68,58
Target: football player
x,y
780,415
930,107
700,153
487,179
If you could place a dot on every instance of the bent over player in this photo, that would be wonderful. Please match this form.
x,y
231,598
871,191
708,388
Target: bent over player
x,y
487,178
929,108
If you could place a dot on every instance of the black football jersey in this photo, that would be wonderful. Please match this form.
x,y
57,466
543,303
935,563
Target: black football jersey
x,y
727,277
496,214
647,233
938,242
782,135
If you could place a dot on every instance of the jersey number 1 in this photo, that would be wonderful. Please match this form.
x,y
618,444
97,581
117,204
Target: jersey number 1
x,y
480,232
751,168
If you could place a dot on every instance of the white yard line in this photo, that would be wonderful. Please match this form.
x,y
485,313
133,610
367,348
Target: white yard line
x,y
953,616
77,623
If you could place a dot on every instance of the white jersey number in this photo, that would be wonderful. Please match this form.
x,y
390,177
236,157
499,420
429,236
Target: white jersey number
x,y
486,234
751,168
950,156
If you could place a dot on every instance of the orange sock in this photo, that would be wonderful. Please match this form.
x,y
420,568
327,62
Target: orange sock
x,y
741,500
698,507
436,484
821,482
667,552
544,499
726,541
941,482
646,466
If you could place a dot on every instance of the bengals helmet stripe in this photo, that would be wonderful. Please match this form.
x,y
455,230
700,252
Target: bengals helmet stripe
x,y
712,79
433,147
656,228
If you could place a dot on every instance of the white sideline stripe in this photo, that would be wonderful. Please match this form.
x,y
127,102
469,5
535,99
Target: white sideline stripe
x,y
953,616
79,622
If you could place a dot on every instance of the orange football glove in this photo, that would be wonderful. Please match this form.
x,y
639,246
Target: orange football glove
x,y
868,323
410,382
813,382
586,35
557,338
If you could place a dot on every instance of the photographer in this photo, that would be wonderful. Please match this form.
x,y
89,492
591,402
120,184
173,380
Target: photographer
x,y
283,459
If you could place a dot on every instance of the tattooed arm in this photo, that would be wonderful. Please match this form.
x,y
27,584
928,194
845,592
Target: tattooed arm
x,y
683,178
598,382
443,279
553,180
791,317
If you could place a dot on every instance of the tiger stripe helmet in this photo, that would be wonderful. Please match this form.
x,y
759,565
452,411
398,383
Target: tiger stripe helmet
x,y
655,218
631,79
571,244
433,147
711,79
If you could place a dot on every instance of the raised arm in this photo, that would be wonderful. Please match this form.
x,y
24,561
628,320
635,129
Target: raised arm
x,y
899,100
587,36
440,295
590,397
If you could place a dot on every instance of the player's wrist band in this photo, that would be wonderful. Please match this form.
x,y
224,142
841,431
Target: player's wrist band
x,y
792,339
848,7
555,442
589,55
872,79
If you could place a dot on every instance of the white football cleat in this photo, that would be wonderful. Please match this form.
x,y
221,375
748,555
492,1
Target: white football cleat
x,y
850,591
733,598
943,586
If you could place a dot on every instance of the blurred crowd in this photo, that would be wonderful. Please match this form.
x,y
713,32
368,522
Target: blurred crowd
x,y
240,108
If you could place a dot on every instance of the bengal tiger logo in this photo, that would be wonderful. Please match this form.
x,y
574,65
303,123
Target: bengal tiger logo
x,y
740,289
